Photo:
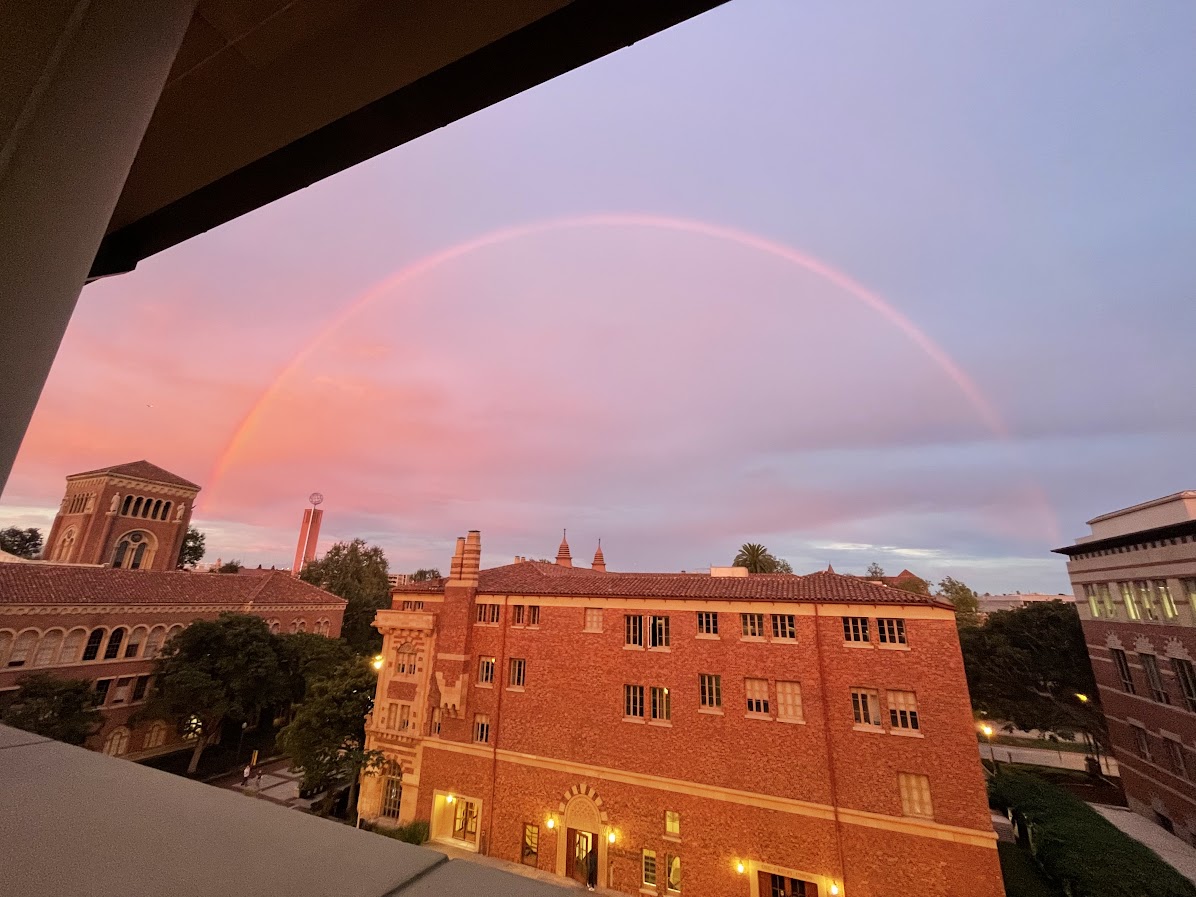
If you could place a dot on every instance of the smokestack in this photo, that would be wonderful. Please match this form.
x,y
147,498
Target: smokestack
x,y
472,558
458,560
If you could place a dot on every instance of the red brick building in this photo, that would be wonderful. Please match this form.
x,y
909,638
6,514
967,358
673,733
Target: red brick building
x,y
132,516
713,734
107,626
1134,578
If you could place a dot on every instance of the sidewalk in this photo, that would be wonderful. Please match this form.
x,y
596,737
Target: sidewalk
x,y
278,785
1044,757
1174,851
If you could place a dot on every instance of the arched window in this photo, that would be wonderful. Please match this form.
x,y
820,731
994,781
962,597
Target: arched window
x,y
303,625
294,626
274,627
63,551
47,648
6,640
173,631
166,510
157,515
156,736
147,507
118,556
136,640
72,645
405,660
137,506
92,650
22,648
153,644
125,507
138,557
114,641
135,550
117,742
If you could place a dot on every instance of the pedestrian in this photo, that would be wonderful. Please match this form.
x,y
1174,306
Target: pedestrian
x,y
245,775
592,869
259,778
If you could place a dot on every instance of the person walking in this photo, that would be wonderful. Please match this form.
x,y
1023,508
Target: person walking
x,y
259,778
245,776
592,869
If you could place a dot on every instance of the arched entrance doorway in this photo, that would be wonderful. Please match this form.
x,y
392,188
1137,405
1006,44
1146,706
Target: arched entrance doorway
x,y
581,852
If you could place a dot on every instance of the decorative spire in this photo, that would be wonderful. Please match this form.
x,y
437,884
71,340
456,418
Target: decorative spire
x,y
599,561
563,557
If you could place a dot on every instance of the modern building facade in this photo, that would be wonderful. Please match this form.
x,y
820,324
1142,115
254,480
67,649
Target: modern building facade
x,y
704,733
107,626
1134,578
133,516
990,604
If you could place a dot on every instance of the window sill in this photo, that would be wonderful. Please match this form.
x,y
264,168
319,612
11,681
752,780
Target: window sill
x,y
862,727
885,647
489,625
907,733
661,650
514,688
711,711
792,722
591,630
662,723
675,839
857,644
634,719
765,716
753,638
650,892
707,636
784,640
532,626
484,684
633,647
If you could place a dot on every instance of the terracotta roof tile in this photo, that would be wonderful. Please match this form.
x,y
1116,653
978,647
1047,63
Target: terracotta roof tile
x,y
141,470
58,584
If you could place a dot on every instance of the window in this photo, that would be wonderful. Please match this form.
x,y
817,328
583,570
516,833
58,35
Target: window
x,y
903,710
662,706
658,632
1106,599
485,670
784,627
780,886
633,631
481,728
518,672
1127,597
789,701
1189,587
1151,665
102,686
1166,602
117,742
153,644
47,648
650,867
711,689
404,722
633,701
1175,750
533,615
413,605
114,642
890,631
672,823
155,737
136,639
1093,602
530,853
517,615
756,691
405,660
1146,599
915,794
865,707
392,791
141,687
434,726
465,820
855,629
674,867
488,613
753,625
1123,669
707,622
72,645
275,628
1187,680
1141,742
92,651
22,648
593,619
120,694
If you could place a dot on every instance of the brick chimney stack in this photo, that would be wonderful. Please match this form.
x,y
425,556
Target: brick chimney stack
x,y
458,560
471,561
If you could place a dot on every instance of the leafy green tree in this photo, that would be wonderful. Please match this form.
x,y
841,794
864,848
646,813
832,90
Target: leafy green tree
x,y
875,571
233,566
24,543
425,574
1028,666
62,709
327,736
306,657
217,670
759,559
192,551
356,572
967,606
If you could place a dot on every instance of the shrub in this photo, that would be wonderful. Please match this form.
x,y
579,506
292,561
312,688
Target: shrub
x,y
414,832
1078,848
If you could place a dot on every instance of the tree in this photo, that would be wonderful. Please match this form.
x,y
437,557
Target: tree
x,y
306,657
356,572
1027,666
233,566
759,559
216,670
24,543
327,736
425,574
967,606
914,585
875,571
62,709
193,548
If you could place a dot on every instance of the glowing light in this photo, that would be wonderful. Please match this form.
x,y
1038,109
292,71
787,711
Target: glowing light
x,y
449,799
551,822
610,837
739,868
834,890
377,662
1083,698
987,730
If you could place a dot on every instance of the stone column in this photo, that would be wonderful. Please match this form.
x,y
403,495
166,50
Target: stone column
x,y
89,89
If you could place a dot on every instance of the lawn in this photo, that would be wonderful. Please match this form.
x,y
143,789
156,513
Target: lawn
x,y
1022,878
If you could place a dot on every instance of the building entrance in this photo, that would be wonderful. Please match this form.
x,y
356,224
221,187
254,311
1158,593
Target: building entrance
x,y
581,860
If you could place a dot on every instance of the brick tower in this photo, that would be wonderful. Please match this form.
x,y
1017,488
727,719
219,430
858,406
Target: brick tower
x,y
133,516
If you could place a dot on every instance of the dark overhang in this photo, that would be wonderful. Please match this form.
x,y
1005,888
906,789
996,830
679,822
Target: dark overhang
x,y
1162,534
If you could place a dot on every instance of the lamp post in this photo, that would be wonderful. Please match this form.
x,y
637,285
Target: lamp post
x,y
241,740
988,735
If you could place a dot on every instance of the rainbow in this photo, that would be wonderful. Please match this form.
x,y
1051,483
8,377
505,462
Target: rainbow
x,y
983,408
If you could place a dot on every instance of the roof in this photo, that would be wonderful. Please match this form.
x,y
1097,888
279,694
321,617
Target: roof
x,y
540,578
1184,529
140,470
1186,495
60,584
74,821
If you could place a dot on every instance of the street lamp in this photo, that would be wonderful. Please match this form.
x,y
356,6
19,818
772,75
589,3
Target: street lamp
x,y
988,735
377,662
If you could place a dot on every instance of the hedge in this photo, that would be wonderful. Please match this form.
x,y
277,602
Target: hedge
x,y
1078,848
415,832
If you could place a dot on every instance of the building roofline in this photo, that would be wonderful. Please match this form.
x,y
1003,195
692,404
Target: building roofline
x,y
1188,494
1170,531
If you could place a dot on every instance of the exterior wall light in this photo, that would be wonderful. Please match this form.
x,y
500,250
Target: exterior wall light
x,y
739,868
834,890
610,837
449,799
377,662
551,823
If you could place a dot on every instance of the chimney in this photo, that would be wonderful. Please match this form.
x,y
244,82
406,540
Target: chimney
x,y
599,561
563,557
458,560
471,561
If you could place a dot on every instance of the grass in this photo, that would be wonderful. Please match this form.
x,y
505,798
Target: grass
x,y
1022,878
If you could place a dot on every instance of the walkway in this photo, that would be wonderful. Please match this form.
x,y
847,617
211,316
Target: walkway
x,y
456,853
1174,851
278,784
1044,757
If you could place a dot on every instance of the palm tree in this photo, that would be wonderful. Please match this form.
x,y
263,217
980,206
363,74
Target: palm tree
x,y
755,557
